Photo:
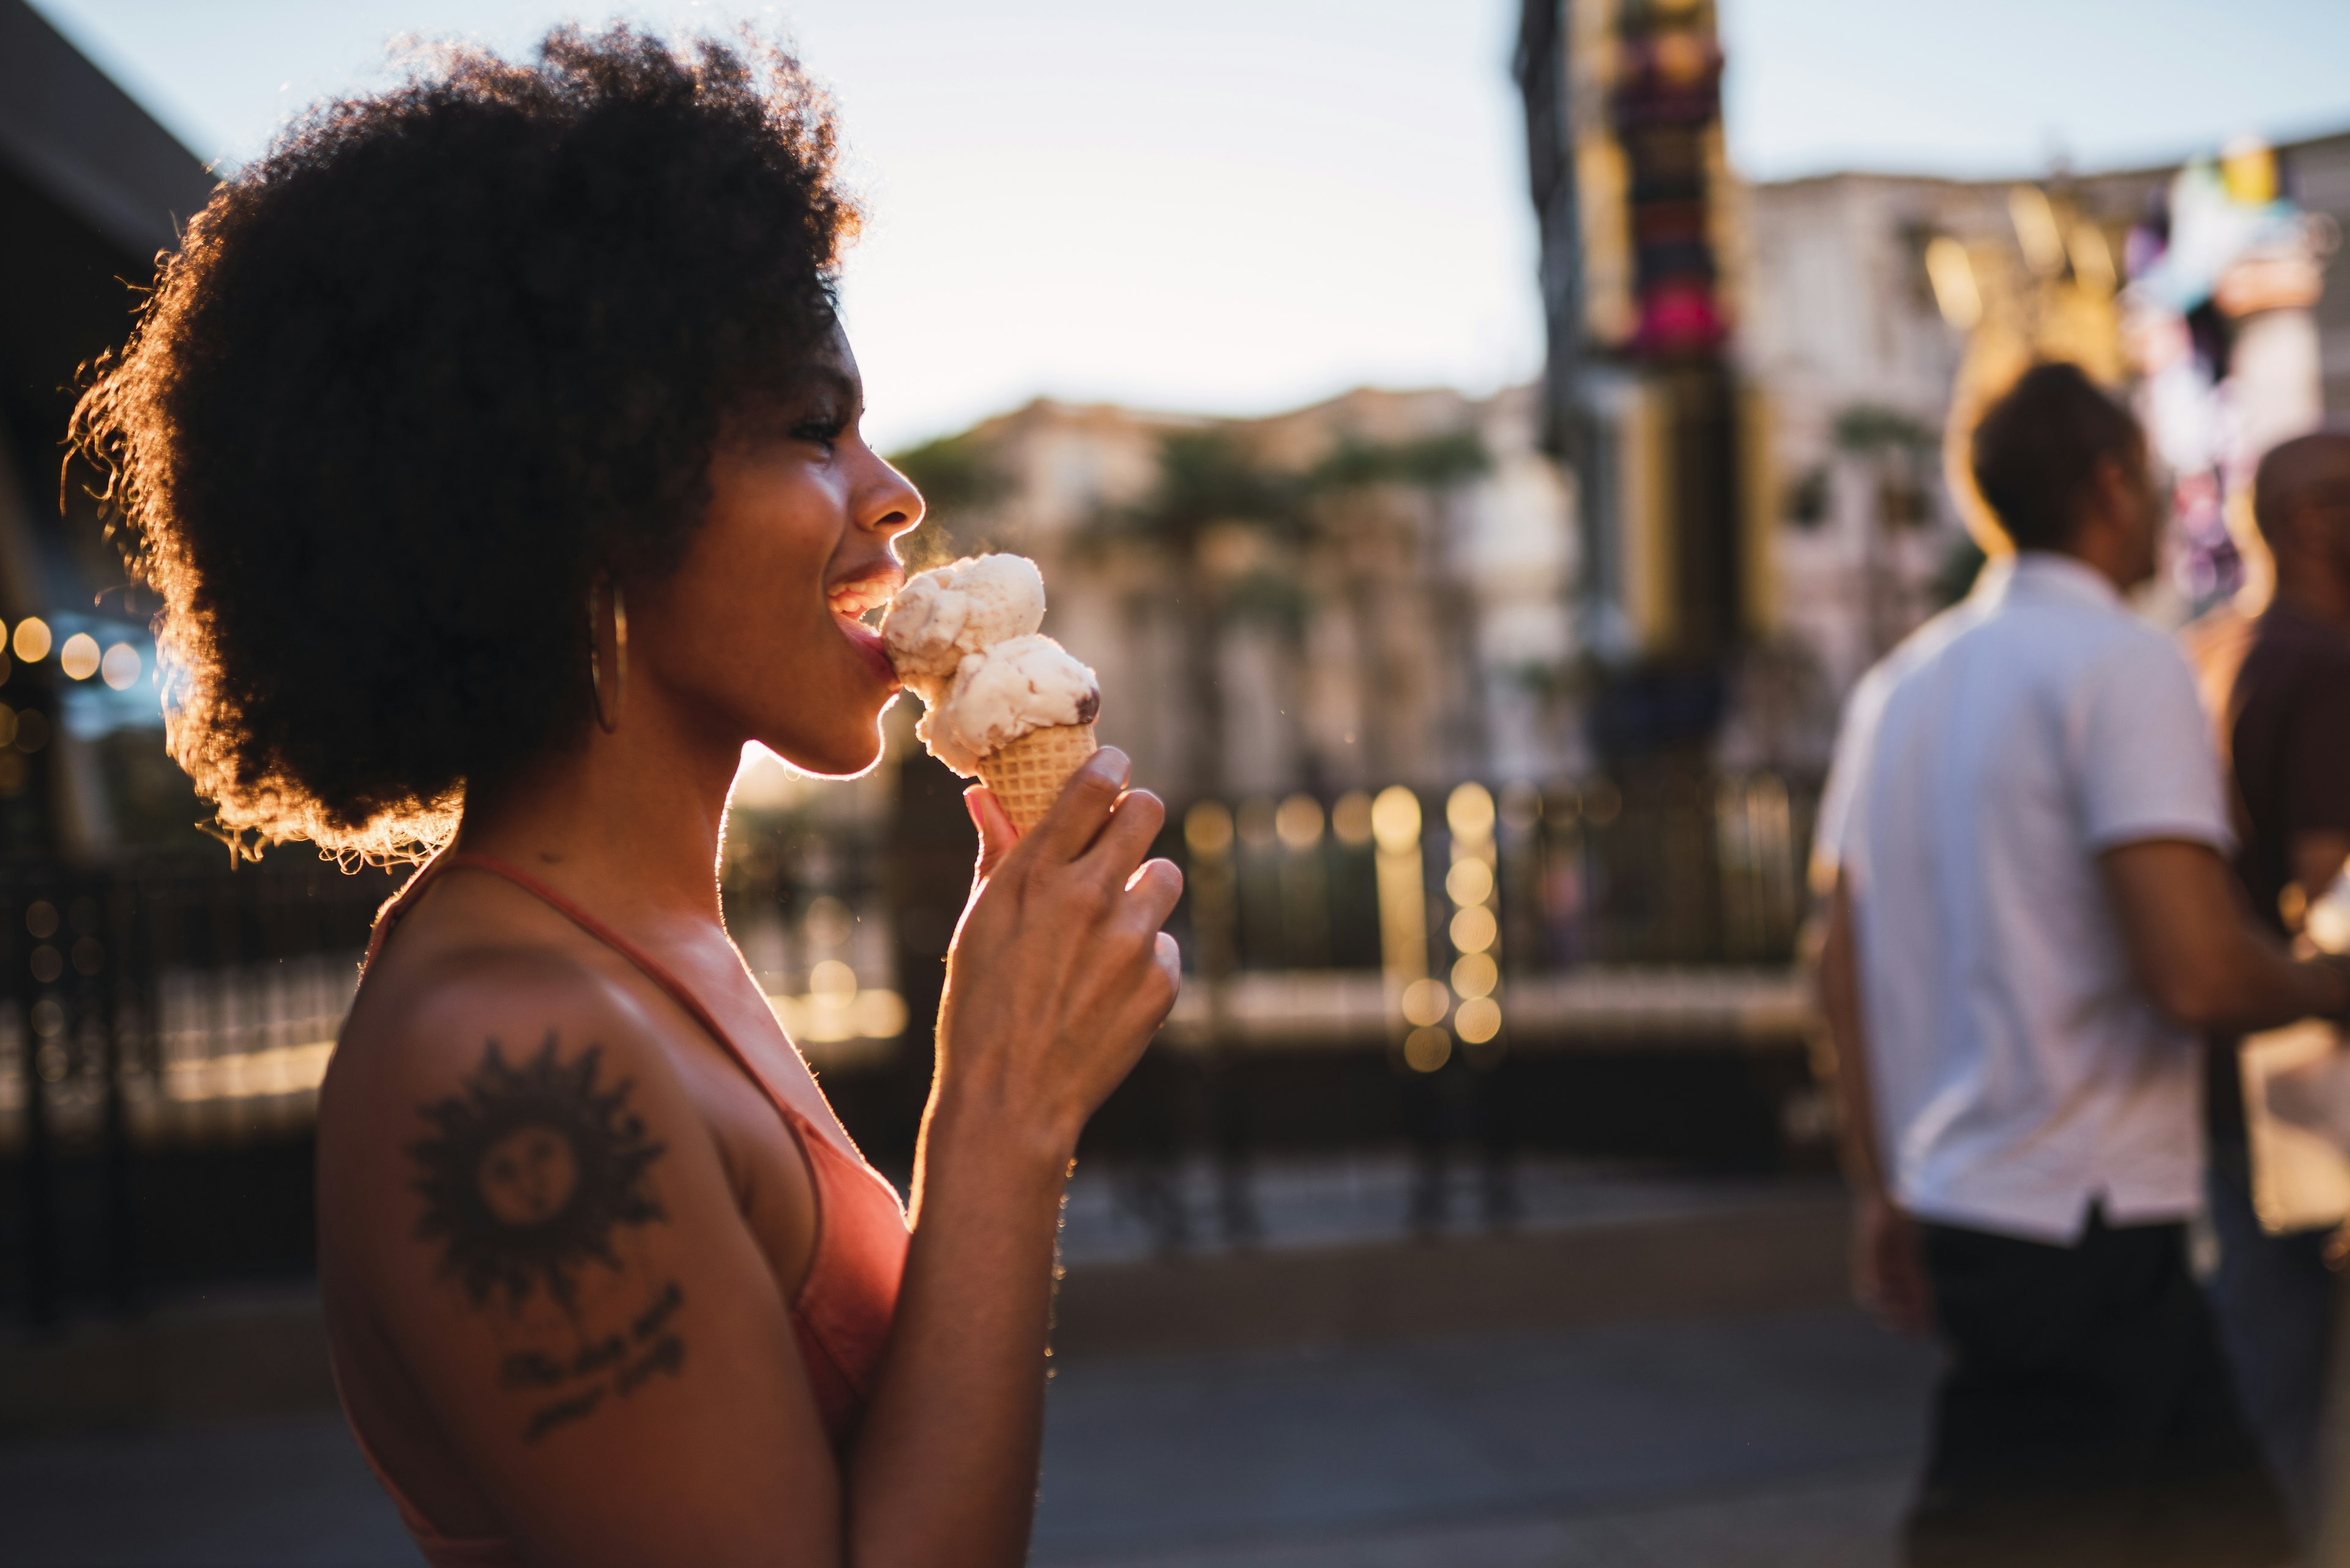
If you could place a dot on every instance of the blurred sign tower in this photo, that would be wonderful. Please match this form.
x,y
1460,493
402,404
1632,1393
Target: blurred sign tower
x,y
1630,185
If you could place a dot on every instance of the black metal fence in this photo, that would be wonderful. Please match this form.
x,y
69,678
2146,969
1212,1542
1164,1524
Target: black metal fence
x,y
156,1020
1673,868
1363,964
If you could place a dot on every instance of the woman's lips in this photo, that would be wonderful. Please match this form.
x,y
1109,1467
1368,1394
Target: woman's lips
x,y
868,642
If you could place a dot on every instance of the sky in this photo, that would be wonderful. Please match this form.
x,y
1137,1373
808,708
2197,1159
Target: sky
x,y
1238,206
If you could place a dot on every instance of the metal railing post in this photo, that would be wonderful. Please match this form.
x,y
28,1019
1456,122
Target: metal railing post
x,y
101,966
44,1286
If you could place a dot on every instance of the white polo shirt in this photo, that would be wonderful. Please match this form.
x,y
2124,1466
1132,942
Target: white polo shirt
x,y
2021,1072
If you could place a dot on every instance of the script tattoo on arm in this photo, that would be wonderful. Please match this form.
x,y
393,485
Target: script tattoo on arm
x,y
531,1176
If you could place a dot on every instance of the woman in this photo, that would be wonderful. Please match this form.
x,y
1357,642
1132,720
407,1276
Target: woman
x,y
496,450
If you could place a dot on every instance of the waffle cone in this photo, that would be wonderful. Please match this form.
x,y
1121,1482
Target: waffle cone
x,y
1026,775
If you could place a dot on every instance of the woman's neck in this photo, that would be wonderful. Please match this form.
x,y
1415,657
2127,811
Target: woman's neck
x,y
628,821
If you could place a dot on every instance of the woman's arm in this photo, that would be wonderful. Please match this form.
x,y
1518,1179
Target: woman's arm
x,y
538,1218
1059,978
554,1248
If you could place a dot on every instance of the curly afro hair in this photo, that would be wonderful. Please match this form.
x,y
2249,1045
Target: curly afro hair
x,y
420,374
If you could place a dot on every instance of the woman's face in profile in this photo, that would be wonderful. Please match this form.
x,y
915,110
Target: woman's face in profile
x,y
759,632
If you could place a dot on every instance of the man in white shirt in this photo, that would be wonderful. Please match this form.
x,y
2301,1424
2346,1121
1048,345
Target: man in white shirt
x,y
2030,919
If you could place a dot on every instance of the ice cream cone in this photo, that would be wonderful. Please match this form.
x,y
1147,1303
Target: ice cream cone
x,y
1026,774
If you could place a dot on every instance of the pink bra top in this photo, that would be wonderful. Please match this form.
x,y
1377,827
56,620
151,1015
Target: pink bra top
x,y
841,1316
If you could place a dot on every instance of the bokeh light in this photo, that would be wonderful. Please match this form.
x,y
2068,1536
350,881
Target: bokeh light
x,y
880,1015
1478,1021
1469,812
1425,1002
1426,1050
1474,975
32,640
1474,929
1395,819
1299,822
1208,828
1468,882
121,667
79,658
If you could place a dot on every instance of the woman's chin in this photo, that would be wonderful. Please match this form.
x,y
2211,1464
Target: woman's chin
x,y
839,757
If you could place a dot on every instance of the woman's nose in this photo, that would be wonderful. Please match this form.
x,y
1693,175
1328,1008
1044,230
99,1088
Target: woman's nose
x,y
891,504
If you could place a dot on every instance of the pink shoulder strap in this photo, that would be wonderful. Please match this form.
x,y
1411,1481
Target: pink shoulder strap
x,y
650,967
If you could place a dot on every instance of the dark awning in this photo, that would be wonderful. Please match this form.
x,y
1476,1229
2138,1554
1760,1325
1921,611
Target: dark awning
x,y
72,133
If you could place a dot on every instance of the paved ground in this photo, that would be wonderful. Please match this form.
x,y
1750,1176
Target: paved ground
x,y
1660,1396
1773,1441
1777,1440
1832,1522
1115,1216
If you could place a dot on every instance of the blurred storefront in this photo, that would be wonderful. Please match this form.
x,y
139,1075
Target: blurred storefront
x,y
1863,317
1880,309
91,189
1643,396
151,1008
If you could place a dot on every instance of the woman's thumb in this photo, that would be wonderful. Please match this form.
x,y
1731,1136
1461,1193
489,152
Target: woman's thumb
x,y
996,833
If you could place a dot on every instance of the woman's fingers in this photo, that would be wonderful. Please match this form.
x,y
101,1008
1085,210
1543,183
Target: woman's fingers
x,y
1152,996
996,833
1153,891
1076,819
1133,827
1148,962
1068,940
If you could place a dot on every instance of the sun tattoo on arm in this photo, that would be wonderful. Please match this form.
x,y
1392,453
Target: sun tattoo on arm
x,y
531,1176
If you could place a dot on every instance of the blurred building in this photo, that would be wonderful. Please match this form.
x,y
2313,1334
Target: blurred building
x,y
1844,336
1778,529
1641,399
1876,309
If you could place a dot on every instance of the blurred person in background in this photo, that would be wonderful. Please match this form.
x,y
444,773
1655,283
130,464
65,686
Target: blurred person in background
x,y
495,450
2278,689
2030,917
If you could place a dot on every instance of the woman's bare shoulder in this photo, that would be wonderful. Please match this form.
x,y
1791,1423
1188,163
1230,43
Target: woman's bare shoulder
x,y
444,1028
439,1009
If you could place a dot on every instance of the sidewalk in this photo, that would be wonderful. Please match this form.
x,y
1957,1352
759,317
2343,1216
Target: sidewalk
x,y
1642,1371
1834,1523
1374,1197
1782,1442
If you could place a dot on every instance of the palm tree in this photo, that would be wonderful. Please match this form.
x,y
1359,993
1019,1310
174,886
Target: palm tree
x,y
1213,502
1229,531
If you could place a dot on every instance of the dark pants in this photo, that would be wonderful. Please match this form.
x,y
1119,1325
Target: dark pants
x,y
2085,1417
2274,1296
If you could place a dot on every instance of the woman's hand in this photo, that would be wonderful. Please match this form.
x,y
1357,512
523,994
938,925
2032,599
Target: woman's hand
x,y
1059,973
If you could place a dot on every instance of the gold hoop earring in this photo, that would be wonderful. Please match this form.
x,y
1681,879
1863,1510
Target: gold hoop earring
x,y
608,651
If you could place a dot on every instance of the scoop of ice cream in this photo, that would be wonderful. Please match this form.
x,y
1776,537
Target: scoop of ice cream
x,y
942,617
1016,686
